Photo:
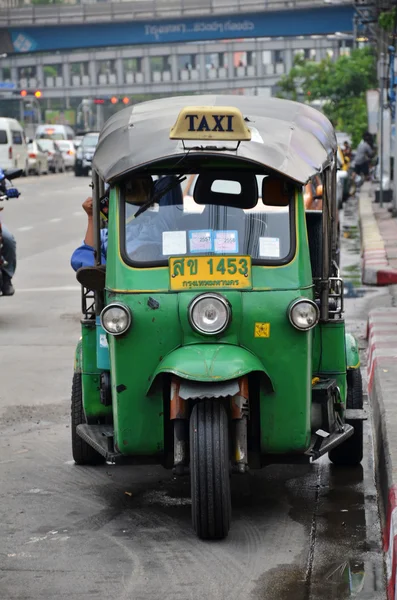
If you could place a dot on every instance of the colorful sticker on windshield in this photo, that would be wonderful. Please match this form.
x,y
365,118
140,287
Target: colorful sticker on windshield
x,y
226,242
269,247
200,240
174,242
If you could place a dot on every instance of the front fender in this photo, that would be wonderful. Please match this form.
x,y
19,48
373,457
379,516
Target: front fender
x,y
209,362
352,353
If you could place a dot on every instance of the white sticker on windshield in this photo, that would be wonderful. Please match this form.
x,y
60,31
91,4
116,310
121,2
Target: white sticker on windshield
x,y
269,247
226,242
174,242
200,240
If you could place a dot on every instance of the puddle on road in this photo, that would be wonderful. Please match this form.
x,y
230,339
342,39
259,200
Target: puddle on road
x,y
342,581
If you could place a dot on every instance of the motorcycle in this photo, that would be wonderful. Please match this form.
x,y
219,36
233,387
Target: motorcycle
x,y
6,192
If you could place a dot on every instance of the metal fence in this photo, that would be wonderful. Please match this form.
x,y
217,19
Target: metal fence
x,y
21,12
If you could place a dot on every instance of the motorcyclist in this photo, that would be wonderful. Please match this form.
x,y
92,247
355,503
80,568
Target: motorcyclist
x,y
9,247
9,252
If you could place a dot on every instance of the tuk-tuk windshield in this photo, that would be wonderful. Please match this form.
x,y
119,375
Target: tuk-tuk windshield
x,y
208,215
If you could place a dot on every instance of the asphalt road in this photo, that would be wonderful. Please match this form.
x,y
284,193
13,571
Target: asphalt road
x,y
67,532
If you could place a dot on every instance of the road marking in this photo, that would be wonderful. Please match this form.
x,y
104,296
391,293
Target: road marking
x,y
26,228
63,288
56,220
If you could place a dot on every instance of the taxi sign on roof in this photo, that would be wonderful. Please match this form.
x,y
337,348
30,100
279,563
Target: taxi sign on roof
x,y
210,123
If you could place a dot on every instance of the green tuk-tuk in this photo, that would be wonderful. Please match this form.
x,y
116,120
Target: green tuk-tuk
x,y
213,340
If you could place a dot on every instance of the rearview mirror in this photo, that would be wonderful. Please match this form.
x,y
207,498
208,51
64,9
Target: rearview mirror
x,y
275,192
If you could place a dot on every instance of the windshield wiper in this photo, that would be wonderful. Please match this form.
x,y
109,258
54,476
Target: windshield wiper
x,y
157,196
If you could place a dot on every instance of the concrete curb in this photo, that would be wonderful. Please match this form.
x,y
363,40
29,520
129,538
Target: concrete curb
x,y
375,265
382,389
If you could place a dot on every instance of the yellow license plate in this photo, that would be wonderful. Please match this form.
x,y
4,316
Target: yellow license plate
x,y
210,272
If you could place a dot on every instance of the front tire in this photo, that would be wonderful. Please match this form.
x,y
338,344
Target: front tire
x,y
350,452
83,453
209,466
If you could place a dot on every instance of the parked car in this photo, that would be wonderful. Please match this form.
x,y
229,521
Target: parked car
x,y
37,158
55,132
68,152
13,146
85,153
56,164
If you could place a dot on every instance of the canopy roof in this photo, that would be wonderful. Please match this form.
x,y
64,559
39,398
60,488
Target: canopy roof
x,y
290,138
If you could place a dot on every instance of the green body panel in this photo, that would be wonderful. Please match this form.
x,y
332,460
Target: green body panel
x,y
90,375
134,357
329,353
352,353
205,362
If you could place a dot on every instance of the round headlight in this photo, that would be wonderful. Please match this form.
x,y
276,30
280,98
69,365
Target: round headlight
x,y
209,314
303,314
115,318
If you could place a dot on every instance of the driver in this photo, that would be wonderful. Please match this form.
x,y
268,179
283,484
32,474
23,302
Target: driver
x,y
139,233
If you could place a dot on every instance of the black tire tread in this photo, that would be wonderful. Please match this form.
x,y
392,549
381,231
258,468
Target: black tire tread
x,y
83,453
210,479
350,453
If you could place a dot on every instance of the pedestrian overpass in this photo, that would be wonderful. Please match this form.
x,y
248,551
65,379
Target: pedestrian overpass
x,y
118,50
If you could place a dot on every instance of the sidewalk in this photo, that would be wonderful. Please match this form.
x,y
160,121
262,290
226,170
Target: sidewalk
x,y
378,240
379,267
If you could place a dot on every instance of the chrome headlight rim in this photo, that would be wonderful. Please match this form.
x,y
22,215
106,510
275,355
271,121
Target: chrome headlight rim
x,y
122,307
214,296
294,303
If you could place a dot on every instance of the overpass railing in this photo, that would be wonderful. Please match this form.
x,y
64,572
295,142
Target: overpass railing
x,y
16,12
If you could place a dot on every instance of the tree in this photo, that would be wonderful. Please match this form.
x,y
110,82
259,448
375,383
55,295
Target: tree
x,y
38,2
340,87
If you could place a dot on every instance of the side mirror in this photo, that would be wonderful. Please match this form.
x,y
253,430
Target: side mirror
x,y
92,278
319,192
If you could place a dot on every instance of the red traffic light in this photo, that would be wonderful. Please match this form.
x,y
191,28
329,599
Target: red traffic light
x,y
23,93
37,94
99,101
126,100
114,100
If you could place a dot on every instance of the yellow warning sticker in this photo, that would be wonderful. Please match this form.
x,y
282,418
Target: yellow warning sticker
x,y
262,330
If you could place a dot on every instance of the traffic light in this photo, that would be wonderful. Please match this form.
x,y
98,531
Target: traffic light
x,y
37,94
23,93
126,100
99,101
114,100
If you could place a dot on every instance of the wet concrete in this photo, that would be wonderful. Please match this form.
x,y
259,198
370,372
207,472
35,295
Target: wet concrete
x,y
300,532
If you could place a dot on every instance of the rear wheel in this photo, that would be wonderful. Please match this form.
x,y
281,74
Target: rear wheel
x,y
350,452
83,453
209,467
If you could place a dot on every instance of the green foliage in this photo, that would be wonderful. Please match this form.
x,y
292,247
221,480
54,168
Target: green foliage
x,y
387,20
50,71
38,2
340,85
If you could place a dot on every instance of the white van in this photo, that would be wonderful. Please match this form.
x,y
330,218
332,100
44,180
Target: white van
x,y
13,146
55,132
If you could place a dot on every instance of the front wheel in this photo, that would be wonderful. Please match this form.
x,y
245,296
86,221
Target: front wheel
x,y
350,452
83,453
209,468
